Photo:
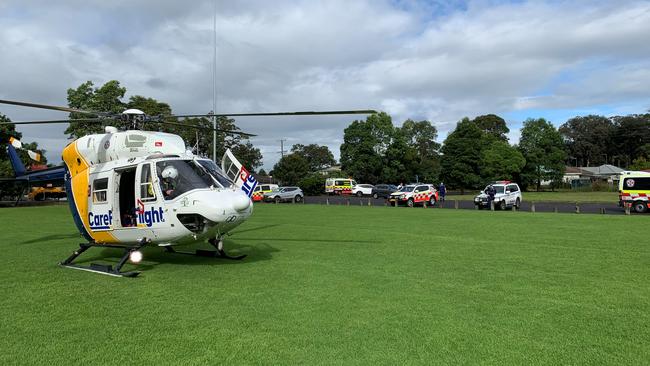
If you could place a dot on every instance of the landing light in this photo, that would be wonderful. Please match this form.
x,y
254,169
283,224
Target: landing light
x,y
135,256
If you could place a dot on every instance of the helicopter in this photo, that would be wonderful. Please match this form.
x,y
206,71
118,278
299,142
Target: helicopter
x,y
135,188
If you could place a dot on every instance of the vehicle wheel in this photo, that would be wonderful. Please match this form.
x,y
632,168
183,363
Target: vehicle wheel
x,y
432,201
298,198
277,200
359,194
410,202
375,196
479,207
503,206
518,204
640,207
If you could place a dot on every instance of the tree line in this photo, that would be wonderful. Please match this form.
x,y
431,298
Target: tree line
x,y
477,151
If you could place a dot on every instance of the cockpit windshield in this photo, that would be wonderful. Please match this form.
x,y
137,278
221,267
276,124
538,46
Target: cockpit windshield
x,y
216,172
180,176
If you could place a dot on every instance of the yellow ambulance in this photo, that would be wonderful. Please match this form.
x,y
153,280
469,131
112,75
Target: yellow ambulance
x,y
339,185
634,190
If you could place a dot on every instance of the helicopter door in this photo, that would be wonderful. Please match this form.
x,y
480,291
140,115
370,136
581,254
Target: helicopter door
x,y
125,197
240,175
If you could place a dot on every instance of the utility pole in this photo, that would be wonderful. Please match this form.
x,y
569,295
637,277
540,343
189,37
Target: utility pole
x,y
214,84
282,148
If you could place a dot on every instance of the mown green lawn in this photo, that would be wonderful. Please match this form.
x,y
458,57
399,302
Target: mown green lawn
x,y
339,285
562,196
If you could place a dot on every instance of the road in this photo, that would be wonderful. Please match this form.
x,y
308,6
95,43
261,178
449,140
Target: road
x,y
566,207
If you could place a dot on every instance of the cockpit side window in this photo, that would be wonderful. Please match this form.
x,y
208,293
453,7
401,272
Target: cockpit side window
x,y
147,192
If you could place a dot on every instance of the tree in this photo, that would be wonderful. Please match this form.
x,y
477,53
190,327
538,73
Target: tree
x,y
399,160
493,126
107,98
631,137
640,163
588,139
318,157
364,146
262,172
313,184
462,156
291,169
421,138
501,161
542,147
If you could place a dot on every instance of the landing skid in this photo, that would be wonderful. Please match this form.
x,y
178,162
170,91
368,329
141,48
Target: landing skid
x,y
218,253
105,269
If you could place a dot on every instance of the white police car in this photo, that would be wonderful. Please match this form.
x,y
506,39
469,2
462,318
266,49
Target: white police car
x,y
507,194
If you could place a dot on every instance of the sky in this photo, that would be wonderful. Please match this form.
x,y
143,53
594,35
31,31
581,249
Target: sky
x,y
423,60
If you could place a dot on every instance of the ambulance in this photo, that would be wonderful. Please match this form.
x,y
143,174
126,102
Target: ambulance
x,y
339,185
633,190
258,193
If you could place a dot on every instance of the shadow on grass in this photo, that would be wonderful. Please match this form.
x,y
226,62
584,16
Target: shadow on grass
x,y
254,228
307,240
53,237
159,255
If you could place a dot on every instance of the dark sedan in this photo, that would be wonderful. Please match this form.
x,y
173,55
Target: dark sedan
x,y
383,190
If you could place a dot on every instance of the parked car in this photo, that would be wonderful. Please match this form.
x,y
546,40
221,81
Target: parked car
x,y
284,194
362,190
507,194
383,190
411,195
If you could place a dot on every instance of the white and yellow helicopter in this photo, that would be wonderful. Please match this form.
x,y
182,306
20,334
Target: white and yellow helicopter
x,y
134,188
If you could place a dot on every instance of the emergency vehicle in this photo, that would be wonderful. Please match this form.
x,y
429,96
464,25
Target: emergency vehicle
x,y
411,195
339,185
506,194
258,194
633,190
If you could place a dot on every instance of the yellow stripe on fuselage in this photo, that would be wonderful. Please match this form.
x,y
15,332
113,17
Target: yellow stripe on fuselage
x,y
79,173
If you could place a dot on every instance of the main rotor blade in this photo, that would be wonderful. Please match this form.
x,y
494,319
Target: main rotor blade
x,y
304,113
208,128
55,108
56,121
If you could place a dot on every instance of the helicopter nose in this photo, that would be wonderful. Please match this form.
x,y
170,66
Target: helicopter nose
x,y
241,202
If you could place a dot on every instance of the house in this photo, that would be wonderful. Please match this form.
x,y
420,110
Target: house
x,y
582,176
333,170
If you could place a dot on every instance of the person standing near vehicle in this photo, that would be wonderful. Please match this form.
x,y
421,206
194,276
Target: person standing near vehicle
x,y
491,192
442,191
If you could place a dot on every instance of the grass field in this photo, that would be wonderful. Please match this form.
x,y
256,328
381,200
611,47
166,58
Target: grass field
x,y
562,196
339,285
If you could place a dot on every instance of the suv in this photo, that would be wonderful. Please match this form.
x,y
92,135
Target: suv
x,y
284,194
507,195
362,190
414,194
383,190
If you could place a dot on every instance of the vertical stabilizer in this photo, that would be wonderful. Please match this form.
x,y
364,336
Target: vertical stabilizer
x,y
16,163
